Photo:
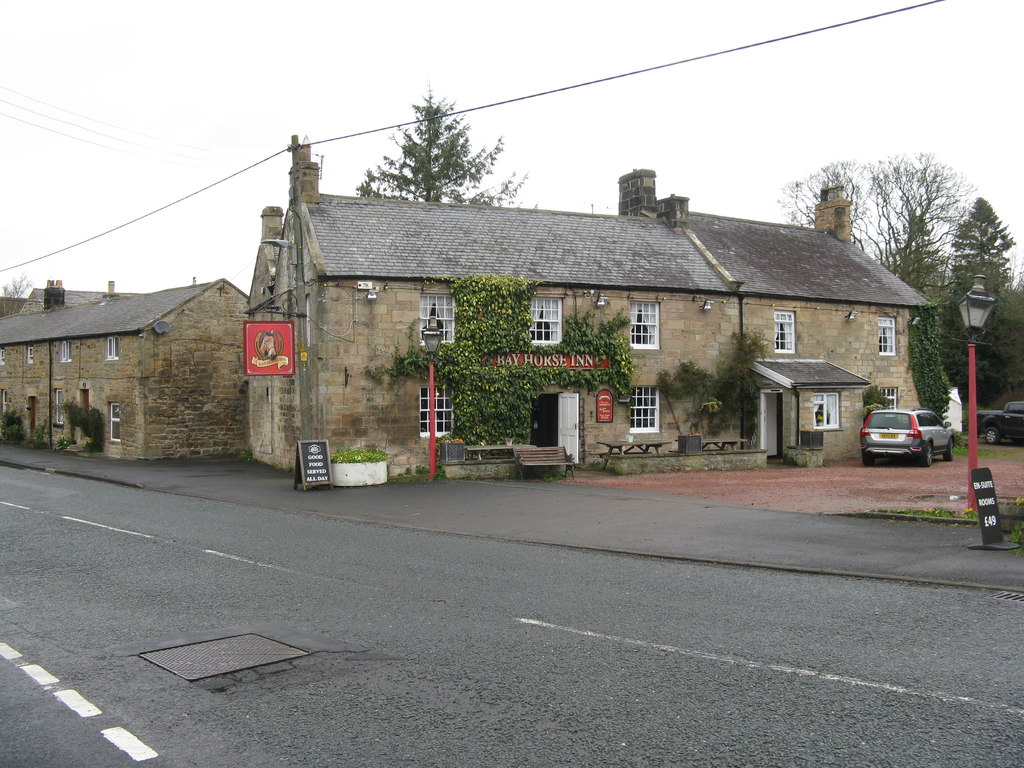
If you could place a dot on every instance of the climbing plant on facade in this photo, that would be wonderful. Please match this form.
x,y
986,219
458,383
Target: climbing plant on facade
x,y
930,377
492,401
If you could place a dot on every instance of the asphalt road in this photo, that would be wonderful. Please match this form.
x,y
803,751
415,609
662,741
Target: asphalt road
x,y
439,650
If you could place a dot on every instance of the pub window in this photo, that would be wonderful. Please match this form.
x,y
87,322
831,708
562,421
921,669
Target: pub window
x,y
644,410
441,306
113,347
887,335
442,411
547,320
65,351
785,332
826,410
643,324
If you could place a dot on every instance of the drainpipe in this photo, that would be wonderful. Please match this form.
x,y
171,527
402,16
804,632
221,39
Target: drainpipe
x,y
49,394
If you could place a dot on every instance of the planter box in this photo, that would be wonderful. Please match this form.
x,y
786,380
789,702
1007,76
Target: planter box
x,y
453,451
689,444
810,438
364,473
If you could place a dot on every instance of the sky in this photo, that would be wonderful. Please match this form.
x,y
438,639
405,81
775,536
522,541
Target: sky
x,y
111,110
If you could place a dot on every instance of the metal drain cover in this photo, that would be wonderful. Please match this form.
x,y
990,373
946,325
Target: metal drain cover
x,y
218,657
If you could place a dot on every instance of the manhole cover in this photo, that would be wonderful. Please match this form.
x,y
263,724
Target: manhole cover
x,y
218,657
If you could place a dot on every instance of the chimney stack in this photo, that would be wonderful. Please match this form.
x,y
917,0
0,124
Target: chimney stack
x,y
273,223
674,211
637,196
305,174
110,288
53,294
832,214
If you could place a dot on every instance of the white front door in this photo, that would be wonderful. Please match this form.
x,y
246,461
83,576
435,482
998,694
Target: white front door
x,y
769,422
569,423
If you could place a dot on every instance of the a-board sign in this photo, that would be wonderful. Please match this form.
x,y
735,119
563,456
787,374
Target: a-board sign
x,y
988,511
312,464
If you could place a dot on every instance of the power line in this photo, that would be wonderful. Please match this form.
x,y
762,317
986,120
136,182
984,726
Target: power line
x,y
468,110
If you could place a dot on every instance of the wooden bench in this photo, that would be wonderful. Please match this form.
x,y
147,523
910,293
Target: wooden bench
x,y
554,456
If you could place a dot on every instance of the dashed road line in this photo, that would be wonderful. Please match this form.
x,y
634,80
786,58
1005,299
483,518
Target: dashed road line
x,y
121,738
128,742
107,527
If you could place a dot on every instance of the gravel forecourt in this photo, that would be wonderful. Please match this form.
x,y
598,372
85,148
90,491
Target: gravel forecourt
x,y
838,487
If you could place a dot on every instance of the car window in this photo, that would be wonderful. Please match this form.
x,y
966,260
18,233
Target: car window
x,y
927,420
889,421
1015,408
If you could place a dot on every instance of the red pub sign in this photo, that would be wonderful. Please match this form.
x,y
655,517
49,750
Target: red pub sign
x,y
269,347
605,406
579,362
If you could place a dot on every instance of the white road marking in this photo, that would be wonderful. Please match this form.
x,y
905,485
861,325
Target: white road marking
x,y
252,562
16,506
108,527
759,665
39,674
128,742
8,653
77,703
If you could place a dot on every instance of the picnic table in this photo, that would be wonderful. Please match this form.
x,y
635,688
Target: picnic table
x,y
636,446
729,444
477,452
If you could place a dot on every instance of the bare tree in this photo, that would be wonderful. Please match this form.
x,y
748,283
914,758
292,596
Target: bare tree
x,y
12,292
906,211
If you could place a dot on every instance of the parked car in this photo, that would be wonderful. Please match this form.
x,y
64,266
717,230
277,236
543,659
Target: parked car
x,y
916,433
1009,422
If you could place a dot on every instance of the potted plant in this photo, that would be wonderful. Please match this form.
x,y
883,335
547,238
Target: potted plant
x,y
356,467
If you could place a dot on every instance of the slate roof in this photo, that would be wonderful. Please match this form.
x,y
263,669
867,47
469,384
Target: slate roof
x,y
808,373
396,239
34,302
120,314
783,260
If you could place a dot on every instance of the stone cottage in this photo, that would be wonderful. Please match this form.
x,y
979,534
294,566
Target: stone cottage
x,y
164,369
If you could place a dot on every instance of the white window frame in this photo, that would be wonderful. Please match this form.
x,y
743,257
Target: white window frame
x,y
644,317
546,327
785,331
443,414
114,420
3,356
58,407
65,351
113,347
893,395
441,306
30,354
645,410
826,406
3,400
887,335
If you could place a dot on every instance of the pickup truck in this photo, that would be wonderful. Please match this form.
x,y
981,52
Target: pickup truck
x,y
993,426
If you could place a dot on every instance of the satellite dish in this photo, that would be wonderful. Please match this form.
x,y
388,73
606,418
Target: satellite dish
x,y
161,326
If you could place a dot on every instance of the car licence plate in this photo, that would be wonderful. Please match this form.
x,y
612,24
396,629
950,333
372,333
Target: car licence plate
x,y
889,436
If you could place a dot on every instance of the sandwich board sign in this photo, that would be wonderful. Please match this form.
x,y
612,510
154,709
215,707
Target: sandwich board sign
x,y
988,511
312,464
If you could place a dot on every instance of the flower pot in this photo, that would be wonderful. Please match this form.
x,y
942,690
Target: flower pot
x,y
360,473
689,444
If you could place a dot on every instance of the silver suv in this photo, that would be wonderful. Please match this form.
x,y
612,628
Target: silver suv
x,y
895,432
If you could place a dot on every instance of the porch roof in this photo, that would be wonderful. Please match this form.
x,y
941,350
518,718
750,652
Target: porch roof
x,y
795,374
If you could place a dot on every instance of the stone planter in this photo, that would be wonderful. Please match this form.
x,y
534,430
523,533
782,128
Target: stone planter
x,y
689,444
360,473
453,451
811,438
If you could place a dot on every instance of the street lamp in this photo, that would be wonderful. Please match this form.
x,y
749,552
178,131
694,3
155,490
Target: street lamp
x,y
975,309
431,336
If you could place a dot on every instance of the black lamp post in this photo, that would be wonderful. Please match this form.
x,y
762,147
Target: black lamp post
x,y
431,336
975,309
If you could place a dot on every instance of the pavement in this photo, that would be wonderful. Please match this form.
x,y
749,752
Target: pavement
x,y
615,521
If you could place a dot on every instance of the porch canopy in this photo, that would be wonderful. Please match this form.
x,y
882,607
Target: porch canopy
x,y
799,374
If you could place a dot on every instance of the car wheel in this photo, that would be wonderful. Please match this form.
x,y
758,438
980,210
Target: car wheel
x,y
868,459
925,459
947,455
992,436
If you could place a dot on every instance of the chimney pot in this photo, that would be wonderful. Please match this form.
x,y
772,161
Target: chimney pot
x,y
110,288
53,294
